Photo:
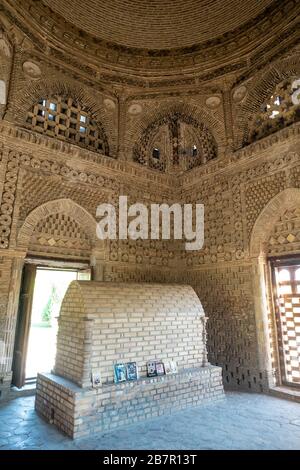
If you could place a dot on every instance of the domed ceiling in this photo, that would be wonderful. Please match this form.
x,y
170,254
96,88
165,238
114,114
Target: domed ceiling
x,y
157,24
142,42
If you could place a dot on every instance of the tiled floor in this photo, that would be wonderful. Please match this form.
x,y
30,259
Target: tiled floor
x,y
241,421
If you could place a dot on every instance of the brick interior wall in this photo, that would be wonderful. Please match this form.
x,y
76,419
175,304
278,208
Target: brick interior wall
x,y
127,92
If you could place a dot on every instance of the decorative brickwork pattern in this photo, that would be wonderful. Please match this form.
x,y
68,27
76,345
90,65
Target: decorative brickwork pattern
x,y
60,233
161,28
192,104
28,92
59,218
273,27
8,199
281,109
231,326
171,135
285,237
258,91
259,192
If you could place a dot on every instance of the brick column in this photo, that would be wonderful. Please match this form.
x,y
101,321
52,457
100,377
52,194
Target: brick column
x,y
98,264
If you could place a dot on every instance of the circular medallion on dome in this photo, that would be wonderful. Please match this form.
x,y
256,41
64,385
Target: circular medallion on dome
x,y
213,102
109,104
135,109
239,93
32,70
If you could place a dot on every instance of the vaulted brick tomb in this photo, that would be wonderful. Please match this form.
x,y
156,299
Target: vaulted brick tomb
x,y
102,324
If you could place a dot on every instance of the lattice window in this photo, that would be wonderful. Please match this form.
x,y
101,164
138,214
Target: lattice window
x,y
288,321
65,119
280,110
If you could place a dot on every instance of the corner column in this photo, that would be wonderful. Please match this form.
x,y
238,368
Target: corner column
x,y
98,261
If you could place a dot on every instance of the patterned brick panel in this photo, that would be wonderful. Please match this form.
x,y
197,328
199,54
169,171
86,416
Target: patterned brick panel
x,y
285,237
60,233
227,296
258,193
8,199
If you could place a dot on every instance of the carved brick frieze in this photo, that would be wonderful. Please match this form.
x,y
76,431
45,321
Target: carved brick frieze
x,y
60,233
250,153
285,237
8,198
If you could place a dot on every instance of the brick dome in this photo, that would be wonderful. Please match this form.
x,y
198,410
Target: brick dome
x,y
142,43
156,24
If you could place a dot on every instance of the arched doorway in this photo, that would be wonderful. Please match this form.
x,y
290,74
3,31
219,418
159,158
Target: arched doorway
x,y
275,249
58,237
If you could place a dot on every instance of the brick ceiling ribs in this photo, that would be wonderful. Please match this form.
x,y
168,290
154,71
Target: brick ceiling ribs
x,y
157,24
155,44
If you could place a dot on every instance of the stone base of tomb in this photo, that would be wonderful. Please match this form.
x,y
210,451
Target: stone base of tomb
x,y
82,412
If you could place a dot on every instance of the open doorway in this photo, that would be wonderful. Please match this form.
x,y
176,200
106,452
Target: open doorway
x,y
43,289
286,287
49,290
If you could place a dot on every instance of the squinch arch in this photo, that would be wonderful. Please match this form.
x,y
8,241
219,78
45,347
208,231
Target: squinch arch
x,y
65,206
287,199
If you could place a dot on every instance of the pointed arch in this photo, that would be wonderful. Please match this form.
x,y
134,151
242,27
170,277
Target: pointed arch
x,y
188,110
91,102
285,200
204,125
58,206
261,88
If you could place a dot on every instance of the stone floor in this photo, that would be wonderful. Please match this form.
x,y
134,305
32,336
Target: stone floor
x,y
241,421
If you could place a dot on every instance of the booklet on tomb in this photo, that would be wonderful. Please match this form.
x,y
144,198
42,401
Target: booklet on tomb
x,y
173,366
119,373
96,379
160,370
151,369
131,371
167,367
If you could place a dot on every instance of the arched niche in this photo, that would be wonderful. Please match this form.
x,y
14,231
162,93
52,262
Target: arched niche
x,y
287,199
58,206
93,102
